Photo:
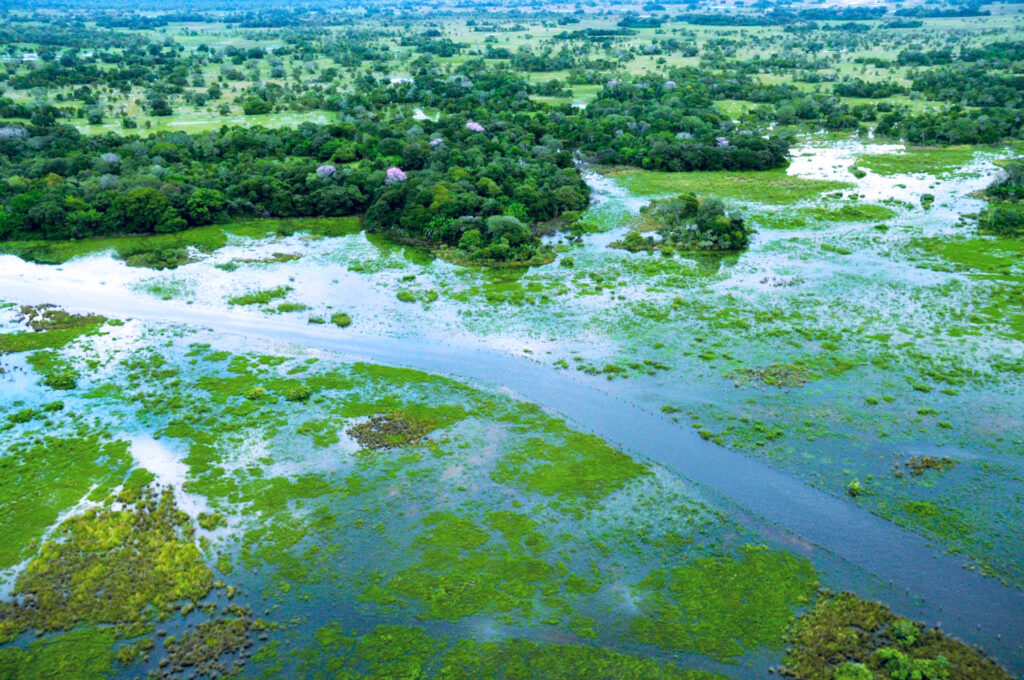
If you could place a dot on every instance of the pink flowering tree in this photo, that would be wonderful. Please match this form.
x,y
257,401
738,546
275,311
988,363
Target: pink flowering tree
x,y
394,175
474,126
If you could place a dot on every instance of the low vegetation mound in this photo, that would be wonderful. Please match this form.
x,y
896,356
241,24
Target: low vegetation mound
x,y
845,638
688,223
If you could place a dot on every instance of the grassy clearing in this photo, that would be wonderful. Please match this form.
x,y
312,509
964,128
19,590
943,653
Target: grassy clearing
x,y
811,217
919,160
162,251
773,187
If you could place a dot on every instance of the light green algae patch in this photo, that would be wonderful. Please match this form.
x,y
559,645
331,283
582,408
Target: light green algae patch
x,y
579,468
410,653
919,160
40,479
518,658
723,606
86,654
461,572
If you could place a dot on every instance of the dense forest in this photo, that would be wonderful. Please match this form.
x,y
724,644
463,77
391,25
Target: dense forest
x,y
502,140
413,177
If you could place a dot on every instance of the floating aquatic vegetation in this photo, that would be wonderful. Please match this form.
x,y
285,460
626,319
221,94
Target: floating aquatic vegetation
x,y
115,566
918,465
52,328
722,606
260,297
86,654
580,469
41,478
212,649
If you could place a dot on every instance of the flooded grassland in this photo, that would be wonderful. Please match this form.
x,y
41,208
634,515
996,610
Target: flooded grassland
x,y
205,479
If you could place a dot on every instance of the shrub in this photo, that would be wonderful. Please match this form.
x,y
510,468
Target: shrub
x,y
688,223
853,671
1002,220
298,393
61,379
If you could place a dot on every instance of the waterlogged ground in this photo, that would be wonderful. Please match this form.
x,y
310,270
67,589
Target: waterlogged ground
x,y
317,516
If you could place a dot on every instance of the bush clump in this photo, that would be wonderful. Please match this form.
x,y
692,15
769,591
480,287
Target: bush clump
x,y
298,393
61,379
688,223
842,636
1004,219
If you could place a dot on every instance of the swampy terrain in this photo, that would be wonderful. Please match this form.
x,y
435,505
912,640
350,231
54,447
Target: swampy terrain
x,y
272,406
587,465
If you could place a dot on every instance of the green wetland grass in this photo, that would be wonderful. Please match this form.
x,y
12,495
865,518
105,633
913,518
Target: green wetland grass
x,y
412,500
772,187
160,251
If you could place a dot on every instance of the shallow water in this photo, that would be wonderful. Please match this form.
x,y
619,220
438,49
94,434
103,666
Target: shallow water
x,y
983,612
866,290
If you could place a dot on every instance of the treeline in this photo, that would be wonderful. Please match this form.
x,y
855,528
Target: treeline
x,y
879,89
955,125
60,184
141,22
494,164
781,17
924,12
671,125
972,86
